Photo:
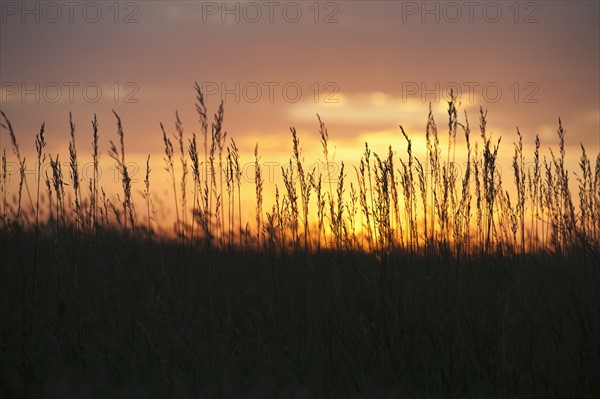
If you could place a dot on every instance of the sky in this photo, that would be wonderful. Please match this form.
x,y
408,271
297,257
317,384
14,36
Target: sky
x,y
365,67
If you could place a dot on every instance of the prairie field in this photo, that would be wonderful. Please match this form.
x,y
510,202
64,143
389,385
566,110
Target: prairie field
x,y
400,276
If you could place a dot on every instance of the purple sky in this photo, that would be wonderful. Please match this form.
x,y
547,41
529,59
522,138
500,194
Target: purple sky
x,y
373,57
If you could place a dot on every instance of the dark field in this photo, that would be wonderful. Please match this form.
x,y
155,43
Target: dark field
x,y
112,318
448,290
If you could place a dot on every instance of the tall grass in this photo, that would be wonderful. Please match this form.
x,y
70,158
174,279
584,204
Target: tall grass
x,y
94,181
4,190
119,157
422,206
184,173
258,182
170,168
407,275
40,143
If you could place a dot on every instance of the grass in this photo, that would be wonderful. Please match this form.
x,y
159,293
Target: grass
x,y
413,281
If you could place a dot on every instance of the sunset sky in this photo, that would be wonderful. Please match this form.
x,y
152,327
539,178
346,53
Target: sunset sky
x,y
372,65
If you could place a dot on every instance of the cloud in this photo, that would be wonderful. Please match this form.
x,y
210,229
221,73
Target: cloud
x,y
366,109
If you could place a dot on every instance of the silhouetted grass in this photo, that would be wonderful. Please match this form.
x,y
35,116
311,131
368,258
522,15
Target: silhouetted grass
x,y
441,293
